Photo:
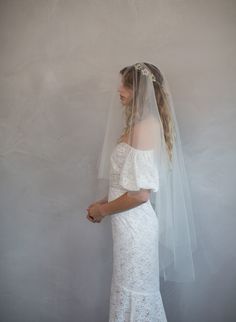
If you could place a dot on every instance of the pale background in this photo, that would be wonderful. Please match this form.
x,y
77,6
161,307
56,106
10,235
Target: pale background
x,y
58,60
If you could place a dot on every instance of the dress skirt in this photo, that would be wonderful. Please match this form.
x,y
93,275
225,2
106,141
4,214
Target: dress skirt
x,y
135,289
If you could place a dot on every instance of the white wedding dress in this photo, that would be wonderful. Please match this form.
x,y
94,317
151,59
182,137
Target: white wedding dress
x,y
135,290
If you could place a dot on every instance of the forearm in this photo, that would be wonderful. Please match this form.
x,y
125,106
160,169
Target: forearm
x,y
104,199
122,203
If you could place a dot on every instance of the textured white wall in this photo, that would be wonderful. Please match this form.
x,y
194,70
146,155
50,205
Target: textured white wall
x,y
57,61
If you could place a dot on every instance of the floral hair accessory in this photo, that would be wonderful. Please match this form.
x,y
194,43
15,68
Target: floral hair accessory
x,y
145,71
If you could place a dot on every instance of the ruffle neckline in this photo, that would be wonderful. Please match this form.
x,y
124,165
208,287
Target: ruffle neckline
x,y
132,148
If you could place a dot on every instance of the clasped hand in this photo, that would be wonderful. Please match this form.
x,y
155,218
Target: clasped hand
x,y
95,213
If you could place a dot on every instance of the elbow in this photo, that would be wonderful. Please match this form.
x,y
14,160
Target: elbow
x,y
141,196
145,195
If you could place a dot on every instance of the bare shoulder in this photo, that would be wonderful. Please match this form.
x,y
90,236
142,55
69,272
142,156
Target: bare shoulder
x,y
144,134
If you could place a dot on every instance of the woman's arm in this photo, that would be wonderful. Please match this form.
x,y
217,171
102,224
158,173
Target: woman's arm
x,y
100,201
103,200
125,202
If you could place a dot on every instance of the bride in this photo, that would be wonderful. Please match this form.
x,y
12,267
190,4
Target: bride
x,y
147,199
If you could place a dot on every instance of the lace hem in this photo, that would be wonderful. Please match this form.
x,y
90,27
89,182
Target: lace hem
x,y
127,305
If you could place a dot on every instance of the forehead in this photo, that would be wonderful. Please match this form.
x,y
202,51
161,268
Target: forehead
x,y
121,81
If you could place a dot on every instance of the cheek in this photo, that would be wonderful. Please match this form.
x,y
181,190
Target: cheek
x,y
130,95
126,93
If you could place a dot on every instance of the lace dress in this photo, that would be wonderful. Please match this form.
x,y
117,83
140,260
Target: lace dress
x,y
135,289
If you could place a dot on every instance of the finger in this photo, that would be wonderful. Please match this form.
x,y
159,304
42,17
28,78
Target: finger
x,y
89,218
93,219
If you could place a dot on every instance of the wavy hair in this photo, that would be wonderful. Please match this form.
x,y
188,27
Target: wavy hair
x,y
161,99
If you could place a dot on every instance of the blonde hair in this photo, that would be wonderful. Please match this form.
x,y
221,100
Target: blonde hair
x,y
162,103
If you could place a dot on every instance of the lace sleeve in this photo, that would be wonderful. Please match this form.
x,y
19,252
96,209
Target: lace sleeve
x,y
138,171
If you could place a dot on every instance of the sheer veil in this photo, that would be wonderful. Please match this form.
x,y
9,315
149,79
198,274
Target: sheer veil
x,y
149,123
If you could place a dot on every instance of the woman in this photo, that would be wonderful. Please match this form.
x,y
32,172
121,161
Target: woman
x,y
140,159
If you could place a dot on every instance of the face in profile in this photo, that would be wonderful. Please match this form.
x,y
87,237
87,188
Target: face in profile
x,y
125,94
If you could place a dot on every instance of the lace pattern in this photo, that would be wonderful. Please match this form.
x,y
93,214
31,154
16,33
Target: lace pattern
x,y
135,171
135,289
135,306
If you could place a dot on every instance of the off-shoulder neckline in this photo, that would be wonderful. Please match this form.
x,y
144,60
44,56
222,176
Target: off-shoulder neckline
x,y
131,147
